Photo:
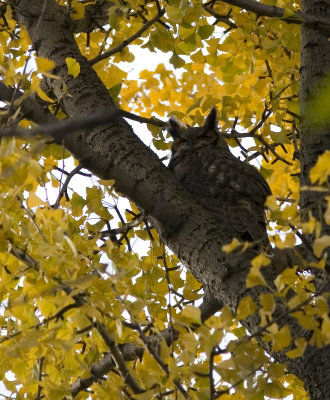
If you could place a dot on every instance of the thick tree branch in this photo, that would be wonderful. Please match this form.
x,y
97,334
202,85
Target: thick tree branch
x,y
296,17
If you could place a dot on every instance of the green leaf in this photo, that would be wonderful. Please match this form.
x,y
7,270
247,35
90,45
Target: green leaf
x,y
177,61
280,137
175,14
115,90
205,31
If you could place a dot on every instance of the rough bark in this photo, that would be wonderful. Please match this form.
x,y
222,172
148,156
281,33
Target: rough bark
x,y
315,137
314,140
114,152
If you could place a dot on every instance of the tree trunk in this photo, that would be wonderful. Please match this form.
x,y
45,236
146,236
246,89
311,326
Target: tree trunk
x,y
315,137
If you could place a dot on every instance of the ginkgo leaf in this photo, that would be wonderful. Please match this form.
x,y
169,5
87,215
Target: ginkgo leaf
x,y
44,65
176,61
255,278
267,301
34,201
320,244
260,260
299,350
191,314
44,96
246,308
73,66
227,248
321,170
282,338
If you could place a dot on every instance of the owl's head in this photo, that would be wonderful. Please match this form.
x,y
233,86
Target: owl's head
x,y
190,138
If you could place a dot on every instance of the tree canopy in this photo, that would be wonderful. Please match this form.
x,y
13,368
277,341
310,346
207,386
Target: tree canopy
x,y
114,282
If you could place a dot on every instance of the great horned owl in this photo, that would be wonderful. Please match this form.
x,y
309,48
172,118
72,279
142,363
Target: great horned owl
x,y
231,190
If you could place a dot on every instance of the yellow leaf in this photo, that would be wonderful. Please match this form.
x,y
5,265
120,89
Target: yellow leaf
x,y
227,248
282,339
260,261
72,246
119,327
321,263
276,370
286,278
176,61
271,203
34,201
73,66
198,57
308,227
327,212
320,244
246,308
255,278
325,329
321,170
114,76
175,14
307,321
301,345
267,301
79,10
44,65
160,288
317,339
107,182
192,314
190,342
43,96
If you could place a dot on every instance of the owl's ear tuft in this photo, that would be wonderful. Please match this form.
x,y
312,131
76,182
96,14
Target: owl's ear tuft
x,y
174,127
211,121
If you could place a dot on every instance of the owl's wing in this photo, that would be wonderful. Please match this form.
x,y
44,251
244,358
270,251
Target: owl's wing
x,y
237,191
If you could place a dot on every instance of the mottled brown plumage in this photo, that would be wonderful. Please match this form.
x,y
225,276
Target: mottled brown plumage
x,y
231,190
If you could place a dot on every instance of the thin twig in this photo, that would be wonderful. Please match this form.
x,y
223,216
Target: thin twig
x,y
124,229
220,393
124,236
214,352
65,185
222,18
39,394
32,218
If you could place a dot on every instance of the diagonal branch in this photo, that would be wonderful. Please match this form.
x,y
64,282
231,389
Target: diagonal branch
x,y
127,41
118,357
58,130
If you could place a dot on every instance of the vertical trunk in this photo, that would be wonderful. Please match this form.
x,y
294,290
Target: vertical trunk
x,y
315,137
314,140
